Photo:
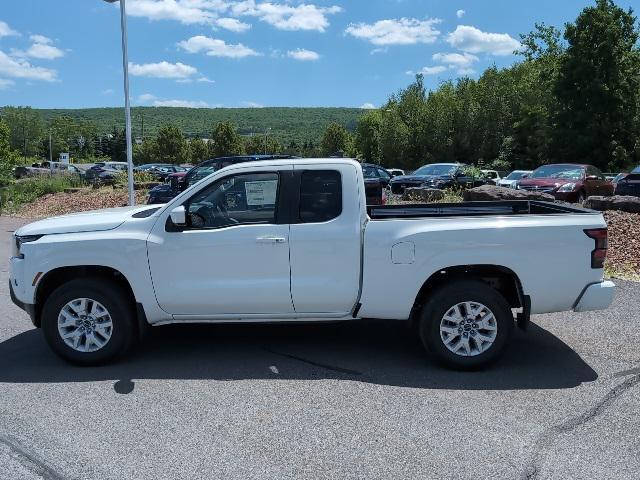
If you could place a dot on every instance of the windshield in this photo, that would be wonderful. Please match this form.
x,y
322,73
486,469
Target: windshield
x,y
436,169
198,173
369,172
517,175
636,170
569,172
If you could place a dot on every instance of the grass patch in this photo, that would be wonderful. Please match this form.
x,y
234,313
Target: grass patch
x,y
622,272
19,193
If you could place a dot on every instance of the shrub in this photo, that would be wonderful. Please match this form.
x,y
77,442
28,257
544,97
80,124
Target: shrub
x,y
25,191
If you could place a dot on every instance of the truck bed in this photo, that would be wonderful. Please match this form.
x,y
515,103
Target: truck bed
x,y
472,209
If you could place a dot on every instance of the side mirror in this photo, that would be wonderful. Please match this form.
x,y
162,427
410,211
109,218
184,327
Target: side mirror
x,y
526,175
179,216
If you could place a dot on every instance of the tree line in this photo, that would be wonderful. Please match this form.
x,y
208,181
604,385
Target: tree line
x,y
573,97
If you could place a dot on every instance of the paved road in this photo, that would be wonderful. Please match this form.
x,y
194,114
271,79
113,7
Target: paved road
x,y
355,400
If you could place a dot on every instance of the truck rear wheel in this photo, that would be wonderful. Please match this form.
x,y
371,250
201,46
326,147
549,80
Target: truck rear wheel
x,y
466,324
89,321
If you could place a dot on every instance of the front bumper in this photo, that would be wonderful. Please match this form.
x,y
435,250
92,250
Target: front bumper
x,y
27,307
597,296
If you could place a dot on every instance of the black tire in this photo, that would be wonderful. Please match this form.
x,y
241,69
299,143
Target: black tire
x,y
445,298
581,198
113,298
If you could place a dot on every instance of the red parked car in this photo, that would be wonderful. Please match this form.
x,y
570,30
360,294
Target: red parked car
x,y
567,182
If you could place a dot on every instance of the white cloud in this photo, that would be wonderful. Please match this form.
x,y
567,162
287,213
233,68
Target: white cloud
x,y
205,80
162,70
44,51
108,91
149,99
216,48
368,106
41,48
146,98
40,39
457,60
188,12
252,105
20,68
6,30
232,24
460,13
472,40
283,16
375,51
286,16
5,83
404,31
303,55
430,70
180,103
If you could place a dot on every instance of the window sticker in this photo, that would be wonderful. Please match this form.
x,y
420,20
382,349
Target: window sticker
x,y
261,193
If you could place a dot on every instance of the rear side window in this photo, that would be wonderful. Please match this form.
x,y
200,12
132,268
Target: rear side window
x,y
320,196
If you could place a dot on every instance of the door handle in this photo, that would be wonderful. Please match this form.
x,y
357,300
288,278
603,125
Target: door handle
x,y
270,239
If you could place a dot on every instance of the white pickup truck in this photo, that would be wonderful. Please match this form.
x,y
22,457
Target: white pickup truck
x,y
293,240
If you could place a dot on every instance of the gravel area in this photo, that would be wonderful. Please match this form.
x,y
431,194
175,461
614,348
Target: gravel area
x,y
79,201
623,256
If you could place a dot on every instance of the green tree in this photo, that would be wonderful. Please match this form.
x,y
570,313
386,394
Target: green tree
x,y
198,150
225,140
7,157
367,139
145,152
598,88
25,125
262,144
171,145
335,139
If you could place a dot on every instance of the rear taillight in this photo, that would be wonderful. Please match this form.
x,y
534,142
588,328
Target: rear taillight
x,y
599,254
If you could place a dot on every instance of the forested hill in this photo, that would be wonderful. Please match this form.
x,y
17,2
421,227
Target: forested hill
x,y
286,124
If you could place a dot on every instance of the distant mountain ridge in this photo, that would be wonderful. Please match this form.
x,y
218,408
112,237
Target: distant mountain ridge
x,y
285,123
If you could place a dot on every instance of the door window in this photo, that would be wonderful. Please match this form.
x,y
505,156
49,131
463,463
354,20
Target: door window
x,y
246,199
320,196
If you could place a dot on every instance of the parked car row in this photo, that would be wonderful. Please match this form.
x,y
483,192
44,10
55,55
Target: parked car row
x,y
566,182
46,168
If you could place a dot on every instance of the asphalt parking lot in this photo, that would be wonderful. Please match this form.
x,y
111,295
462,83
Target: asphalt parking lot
x,y
357,400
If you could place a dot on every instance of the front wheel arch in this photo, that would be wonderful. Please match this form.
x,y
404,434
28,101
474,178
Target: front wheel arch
x,y
57,277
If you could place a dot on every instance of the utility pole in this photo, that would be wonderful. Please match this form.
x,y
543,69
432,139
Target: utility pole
x,y
127,100
50,151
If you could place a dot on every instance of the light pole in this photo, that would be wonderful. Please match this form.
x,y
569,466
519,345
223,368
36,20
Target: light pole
x,y
127,106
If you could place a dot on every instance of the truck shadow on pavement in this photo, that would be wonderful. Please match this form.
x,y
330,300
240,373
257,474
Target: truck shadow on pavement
x,y
378,352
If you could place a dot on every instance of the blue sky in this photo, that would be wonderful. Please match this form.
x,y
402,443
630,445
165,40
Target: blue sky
x,y
237,53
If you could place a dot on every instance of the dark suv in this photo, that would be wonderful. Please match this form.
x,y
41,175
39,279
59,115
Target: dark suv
x,y
437,175
629,184
179,182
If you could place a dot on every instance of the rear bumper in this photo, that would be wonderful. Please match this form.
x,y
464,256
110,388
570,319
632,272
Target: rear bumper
x,y
597,296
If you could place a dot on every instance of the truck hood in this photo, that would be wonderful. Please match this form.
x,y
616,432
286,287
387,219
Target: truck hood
x,y
92,221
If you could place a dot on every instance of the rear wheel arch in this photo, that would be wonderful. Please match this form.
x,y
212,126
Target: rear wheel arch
x,y
57,277
502,279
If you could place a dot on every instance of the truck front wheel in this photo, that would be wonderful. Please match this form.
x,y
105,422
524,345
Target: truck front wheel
x,y
466,324
89,321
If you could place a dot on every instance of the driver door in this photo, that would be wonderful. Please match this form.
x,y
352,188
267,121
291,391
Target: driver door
x,y
232,260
